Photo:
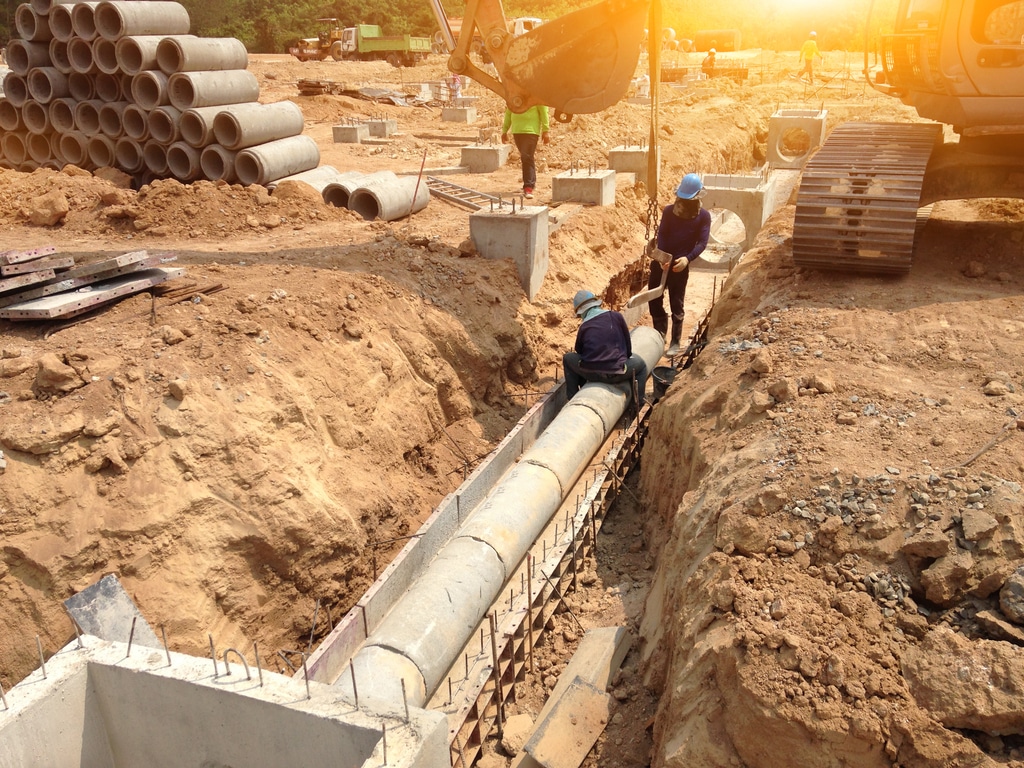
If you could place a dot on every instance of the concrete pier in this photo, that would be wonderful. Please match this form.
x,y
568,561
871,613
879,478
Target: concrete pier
x,y
589,187
458,114
480,158
351,134
521,236
633,159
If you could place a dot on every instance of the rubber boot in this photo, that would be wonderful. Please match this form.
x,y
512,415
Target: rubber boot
x,y
677,334
660,325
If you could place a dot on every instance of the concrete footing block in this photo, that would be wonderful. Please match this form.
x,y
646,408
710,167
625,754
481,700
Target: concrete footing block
x,y
590,187
521,236
794,135
458,114
485,158
350,134
465,102
383,128
751,197
633,159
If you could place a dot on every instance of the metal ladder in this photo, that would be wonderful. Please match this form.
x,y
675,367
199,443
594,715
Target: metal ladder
x,y
464,196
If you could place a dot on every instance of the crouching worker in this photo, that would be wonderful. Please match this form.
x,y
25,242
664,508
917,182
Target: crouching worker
x,y
604,350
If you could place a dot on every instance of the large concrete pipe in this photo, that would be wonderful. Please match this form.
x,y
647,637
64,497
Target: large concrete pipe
x,y
137,53
390,200
111,123
218,163
317,178
195,54
270,161
154,154
61,24
30,25
14,148
15,88
45,7
87,116
128,153
58,156
136,122
38,146
149,89
74,146
58,52
338,193
183,161
117,18
36,117
80,55
108,87
164,124
46,84
83,19
197,125
104,54
420,638
101,151
245,125
10,117
62,115
209,89
81,86
22,56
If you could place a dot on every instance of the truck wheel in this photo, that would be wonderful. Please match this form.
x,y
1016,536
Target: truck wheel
x,y
336,53
394,60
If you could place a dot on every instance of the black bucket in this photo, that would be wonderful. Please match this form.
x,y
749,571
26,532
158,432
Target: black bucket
x,y
663,376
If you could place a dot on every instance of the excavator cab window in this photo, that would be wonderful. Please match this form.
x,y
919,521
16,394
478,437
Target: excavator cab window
x,y
921,15
998,22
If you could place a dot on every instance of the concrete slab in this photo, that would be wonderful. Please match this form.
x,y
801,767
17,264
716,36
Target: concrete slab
x,y
485,158
588,187
350,134
521,235
458,114
567,734
107,611
383,128
633,159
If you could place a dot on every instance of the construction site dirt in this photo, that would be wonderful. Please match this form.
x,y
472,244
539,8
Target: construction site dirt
x,y
818,559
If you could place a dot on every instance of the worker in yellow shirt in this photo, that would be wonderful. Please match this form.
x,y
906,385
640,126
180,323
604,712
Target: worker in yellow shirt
x,y
807,53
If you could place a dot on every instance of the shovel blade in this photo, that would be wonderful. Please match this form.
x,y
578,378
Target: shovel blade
x,y
644,296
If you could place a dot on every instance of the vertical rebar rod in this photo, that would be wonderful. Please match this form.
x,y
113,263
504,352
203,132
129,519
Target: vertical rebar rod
x,y
498,692
312,631
42,661
466,658
131,637
305,676
384,740
405,701
74,625
213,655
163,634
352,674
529,606
259,668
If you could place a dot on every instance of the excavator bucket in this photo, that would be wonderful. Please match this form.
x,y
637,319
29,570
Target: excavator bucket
x,y
581,62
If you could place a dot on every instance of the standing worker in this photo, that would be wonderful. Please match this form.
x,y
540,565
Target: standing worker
x,y
604,349
683,234
708,65
807,53
527,128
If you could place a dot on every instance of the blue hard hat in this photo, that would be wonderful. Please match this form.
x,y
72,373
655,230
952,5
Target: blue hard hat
x,y
689,187
583,301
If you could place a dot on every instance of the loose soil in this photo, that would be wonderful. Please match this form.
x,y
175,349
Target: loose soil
x,y
819,568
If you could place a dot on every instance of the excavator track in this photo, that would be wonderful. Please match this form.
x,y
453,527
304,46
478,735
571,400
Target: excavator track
x,y
857,206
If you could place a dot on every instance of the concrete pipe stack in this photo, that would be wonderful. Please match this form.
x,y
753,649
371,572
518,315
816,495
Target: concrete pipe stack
x,y
122,83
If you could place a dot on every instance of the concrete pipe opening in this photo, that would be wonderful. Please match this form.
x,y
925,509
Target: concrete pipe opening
x,y
183,161
23,56
104,53
129,155
101,151
46,84
62,115
58,51
87,116
195,54
197,125
136,122
30,25
83,19
164,124
36,117
111,123
117,18
15,89
390,200
108,87
80,56
10,117
137,53
58,156
74,147
60,22
38,147
154,154
269,162
245,125
218,163
208,89
81,86
338,193
14,148
149,89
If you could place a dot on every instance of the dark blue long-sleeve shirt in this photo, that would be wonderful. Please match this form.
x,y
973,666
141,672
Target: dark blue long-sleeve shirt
x,y
684,237
603,343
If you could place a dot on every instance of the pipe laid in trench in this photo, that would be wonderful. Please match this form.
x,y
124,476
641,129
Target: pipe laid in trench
x,y
420,638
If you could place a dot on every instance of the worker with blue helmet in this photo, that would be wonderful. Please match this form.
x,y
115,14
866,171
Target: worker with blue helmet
x,y
683,234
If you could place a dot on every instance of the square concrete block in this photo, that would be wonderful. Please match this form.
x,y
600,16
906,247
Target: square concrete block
x,y
632,159
749,196
485,158
383,128
521,236
458,114
592,188
351,134
793,135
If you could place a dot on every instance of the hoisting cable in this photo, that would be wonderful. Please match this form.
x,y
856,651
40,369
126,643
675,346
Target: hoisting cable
x,y
654,45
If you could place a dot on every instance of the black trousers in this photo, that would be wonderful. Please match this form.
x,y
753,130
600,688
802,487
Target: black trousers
x,y
576,376
527,144
676,289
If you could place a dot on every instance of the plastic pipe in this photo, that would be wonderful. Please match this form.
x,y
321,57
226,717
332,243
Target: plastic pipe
x,y
36,117
137,53
74,147
108,87
183,161
208,89
81,86
218,163
104,53
38,146
22,56
422,635
117,18
317,178
58,51
164,124
14,148
62,115
149,89
338,193
83,19
101,151
10,117
245,125
136,122
30,25
87,116
270,161
111,123
15,89
80,55
128,153
61,24
46,84
154,154
390,200
195,54
197,125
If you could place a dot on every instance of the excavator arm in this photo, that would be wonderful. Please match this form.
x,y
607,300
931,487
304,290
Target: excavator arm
x,y
579,63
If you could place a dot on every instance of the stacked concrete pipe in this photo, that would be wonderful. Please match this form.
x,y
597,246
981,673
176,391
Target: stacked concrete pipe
x,y
421,637
97,83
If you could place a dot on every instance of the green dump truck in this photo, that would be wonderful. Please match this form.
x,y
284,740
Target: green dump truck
x,y
363,42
